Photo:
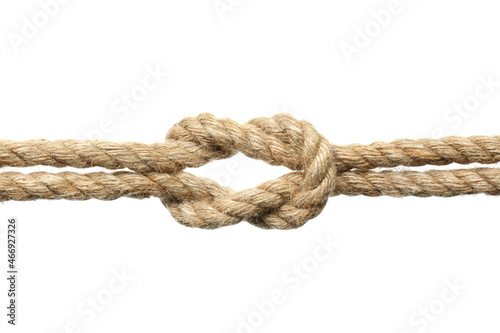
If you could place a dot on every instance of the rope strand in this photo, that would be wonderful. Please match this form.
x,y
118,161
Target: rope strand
x,y
319,170
174,155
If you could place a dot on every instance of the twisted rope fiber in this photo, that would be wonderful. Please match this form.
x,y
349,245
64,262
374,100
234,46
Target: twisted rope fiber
x,y
319,169
173,155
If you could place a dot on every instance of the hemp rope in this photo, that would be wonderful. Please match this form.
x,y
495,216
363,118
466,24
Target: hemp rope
x,y
319,169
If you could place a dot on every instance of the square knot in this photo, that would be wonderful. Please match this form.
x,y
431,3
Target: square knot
x,y
284,203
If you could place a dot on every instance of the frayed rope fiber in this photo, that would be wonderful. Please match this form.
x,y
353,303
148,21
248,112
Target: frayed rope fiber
x,y
319,170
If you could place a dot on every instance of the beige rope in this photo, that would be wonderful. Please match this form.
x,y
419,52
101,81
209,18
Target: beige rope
x,y
173,155
320,170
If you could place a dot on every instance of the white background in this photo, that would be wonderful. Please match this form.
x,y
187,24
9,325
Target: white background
x,y
254,58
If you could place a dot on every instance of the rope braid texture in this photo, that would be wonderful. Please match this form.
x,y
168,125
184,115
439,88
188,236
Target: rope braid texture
x,y
319,170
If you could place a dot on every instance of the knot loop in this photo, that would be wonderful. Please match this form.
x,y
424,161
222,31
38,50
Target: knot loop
x,y
285,203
